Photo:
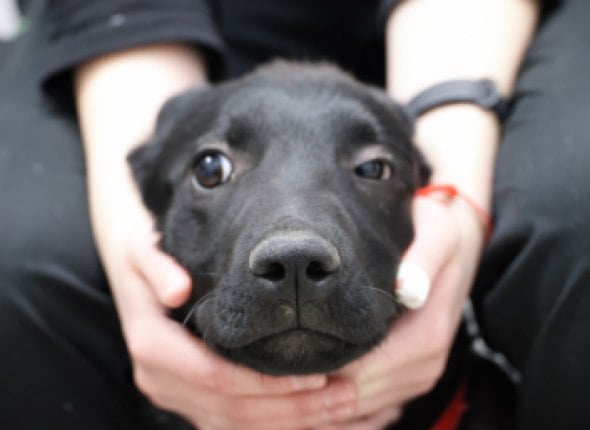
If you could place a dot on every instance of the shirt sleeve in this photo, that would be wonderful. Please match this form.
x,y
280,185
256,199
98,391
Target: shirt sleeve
x,y
79,30
387,6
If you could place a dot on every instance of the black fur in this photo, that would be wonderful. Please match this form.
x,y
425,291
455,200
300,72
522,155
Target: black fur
x,y
295,134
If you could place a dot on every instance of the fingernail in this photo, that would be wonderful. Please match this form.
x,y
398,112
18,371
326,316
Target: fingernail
x,y
308,382
339,413
413,285
338,397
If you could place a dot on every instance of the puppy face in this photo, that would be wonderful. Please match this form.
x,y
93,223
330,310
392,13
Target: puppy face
x,y
286,194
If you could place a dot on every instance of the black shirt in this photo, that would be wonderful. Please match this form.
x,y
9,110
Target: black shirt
x,y
237,35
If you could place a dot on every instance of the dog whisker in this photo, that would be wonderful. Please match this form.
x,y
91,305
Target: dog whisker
x,y
195,306
206,332
211,274
189,315
380,291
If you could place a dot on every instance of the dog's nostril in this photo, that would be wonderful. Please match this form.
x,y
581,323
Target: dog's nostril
x,y
294,258
273,272
316,271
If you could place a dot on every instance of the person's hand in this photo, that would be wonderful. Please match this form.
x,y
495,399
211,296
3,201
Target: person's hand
x,y
179,373
409,362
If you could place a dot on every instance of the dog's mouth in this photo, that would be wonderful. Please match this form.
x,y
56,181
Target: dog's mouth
x,y
296,351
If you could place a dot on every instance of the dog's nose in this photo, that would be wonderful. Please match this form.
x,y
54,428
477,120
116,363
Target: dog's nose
x,y
296,260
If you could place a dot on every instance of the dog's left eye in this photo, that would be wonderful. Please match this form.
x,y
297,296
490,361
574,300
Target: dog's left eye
x,y
212,169
374,169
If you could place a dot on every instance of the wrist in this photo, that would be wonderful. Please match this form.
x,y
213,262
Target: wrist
x,y
116,211
460,142
450,194
118,98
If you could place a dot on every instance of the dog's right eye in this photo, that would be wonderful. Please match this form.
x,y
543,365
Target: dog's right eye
x,y
212,169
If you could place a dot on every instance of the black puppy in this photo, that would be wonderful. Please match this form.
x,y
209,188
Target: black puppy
x,y
286,194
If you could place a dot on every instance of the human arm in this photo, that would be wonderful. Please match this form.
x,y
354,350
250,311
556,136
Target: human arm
x,y
429,42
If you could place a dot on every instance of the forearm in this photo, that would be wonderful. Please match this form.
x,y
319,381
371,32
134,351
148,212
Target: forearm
x,y
118,98
430,41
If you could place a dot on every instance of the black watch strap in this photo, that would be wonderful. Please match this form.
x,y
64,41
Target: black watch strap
x,y
482,92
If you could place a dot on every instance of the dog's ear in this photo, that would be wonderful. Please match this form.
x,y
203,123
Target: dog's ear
x,y
422,169
151,163
406,123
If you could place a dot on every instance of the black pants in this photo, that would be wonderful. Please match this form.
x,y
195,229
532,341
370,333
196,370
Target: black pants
x,y
63,363
533,290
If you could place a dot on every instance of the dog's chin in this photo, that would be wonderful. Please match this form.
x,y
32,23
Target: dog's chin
x,y
297,352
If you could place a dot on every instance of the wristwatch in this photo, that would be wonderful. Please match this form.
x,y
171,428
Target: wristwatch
x,y
483,93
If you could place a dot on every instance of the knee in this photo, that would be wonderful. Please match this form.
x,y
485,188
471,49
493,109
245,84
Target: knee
x,y
545,203
537,257
46,239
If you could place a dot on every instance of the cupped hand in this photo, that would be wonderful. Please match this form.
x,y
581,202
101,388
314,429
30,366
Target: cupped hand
x,y
411,359
179,373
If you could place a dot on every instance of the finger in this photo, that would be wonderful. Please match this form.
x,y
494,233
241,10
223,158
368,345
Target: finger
x,y
403,350
414,350
395,386
208,420
377,420
177,352
382,396
305,409
291,411
230,378
412,285
399,351
167,279
138,306
423,261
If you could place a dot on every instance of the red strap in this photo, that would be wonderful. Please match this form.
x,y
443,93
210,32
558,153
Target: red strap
x,y
451,417
450,191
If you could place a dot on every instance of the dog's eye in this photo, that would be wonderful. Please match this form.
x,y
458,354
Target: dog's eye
x,y
212,169
374,169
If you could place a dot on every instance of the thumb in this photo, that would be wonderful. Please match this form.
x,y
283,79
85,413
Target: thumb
x,y
166,278
433,245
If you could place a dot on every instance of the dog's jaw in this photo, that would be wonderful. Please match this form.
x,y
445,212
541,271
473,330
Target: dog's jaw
x,y
297,351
